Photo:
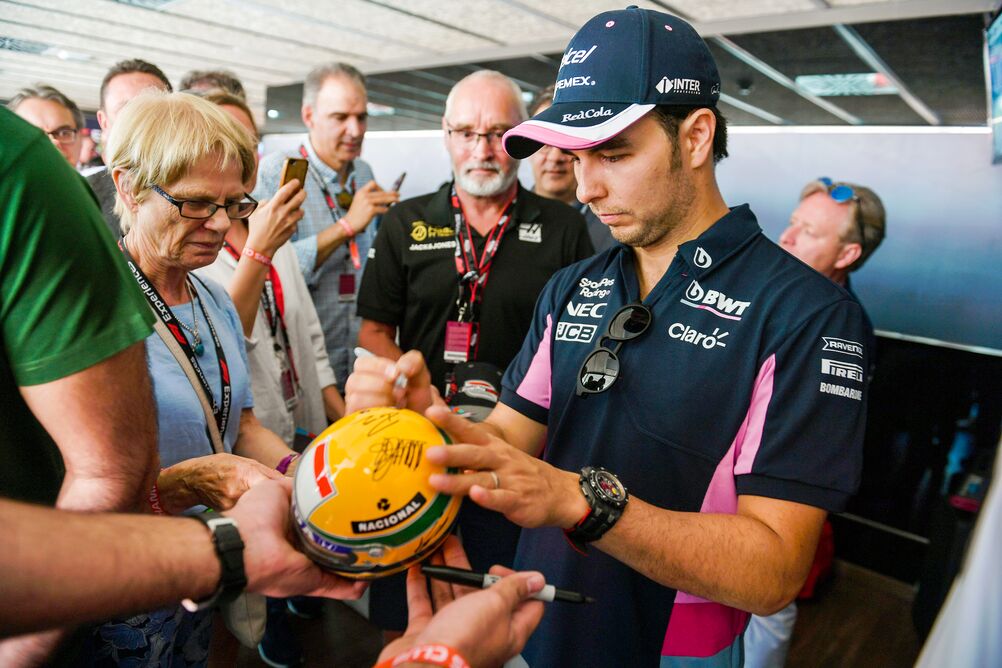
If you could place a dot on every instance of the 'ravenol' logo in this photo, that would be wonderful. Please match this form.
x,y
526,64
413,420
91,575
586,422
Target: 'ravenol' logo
x,y
714,301
844,346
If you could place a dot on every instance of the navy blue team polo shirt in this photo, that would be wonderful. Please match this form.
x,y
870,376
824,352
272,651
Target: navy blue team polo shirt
x,y
749,380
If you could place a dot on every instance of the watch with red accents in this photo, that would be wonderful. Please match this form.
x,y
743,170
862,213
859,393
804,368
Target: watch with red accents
x,y
607,499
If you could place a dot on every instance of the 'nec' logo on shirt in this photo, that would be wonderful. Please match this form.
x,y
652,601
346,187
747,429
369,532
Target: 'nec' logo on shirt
x,y
586,310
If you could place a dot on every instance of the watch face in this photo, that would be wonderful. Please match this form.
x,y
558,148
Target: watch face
x,y
609,486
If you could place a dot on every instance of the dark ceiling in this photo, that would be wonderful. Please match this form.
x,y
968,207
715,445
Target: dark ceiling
x,y
939,59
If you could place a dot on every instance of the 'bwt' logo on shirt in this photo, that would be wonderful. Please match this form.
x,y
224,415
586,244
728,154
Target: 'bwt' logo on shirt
x,y
714,301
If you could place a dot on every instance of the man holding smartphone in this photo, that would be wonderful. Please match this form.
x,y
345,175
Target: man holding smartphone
x,y
342,200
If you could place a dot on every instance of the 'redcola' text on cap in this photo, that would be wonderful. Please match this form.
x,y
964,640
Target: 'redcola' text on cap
x,y
619,66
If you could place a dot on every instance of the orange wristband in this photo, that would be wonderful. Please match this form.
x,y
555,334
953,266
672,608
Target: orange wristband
x,y
254,255
434,655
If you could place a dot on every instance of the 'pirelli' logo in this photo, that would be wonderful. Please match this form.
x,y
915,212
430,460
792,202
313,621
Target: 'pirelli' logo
x,y
846,370
844,346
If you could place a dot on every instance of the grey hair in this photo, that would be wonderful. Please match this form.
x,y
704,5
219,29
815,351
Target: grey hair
x,y
489,75
44,92
321,73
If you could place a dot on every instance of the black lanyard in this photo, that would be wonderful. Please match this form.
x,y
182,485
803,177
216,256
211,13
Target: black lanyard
x,y
332,205
220,412
472,274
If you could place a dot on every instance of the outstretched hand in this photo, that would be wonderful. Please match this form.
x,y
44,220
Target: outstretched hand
x,y
487,627
273,566
500,477
374,383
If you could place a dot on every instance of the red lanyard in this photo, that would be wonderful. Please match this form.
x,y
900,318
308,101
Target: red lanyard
x,y
273,301
334,209
473,277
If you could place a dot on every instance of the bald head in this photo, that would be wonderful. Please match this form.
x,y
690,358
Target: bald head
x,y
500,87
479,110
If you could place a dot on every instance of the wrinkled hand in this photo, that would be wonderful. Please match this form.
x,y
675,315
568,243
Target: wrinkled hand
x,y
274,567
216,481
275,220
368,202
487,627
373,383
532,493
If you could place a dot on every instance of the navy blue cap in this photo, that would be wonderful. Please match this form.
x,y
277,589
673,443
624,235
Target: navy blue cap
x,y
616,68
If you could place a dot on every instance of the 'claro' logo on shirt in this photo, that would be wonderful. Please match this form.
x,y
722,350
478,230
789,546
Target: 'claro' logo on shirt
x,y
714,301
422,231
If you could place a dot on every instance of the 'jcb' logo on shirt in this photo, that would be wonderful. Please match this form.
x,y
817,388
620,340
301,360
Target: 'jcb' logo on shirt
x,y
422,231
574,332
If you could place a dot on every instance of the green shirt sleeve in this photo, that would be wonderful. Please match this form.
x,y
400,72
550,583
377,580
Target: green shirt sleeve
x,y
67,300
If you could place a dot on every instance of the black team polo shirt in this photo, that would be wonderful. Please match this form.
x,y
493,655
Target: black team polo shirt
x,y
410,279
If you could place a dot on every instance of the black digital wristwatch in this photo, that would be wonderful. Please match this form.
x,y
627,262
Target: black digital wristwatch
x,y
230,550
606,497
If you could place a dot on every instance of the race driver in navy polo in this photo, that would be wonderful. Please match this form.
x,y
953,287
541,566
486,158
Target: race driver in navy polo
x,y
688,405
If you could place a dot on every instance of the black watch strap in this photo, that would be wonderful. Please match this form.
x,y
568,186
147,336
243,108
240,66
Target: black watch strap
x,y
606,497
230,550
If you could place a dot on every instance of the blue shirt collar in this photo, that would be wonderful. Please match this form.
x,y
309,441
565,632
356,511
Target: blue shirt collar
x,y
714,246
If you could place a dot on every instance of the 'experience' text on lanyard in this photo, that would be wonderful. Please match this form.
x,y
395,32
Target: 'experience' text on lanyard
x,y
273,302
221,412
461,334
333,205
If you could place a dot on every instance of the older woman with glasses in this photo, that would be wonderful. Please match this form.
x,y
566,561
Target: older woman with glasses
x,y
180,165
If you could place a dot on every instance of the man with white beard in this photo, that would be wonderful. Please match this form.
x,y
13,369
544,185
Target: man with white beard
x,y
455,274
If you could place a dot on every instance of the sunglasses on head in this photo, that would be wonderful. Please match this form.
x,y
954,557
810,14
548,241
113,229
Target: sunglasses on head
x,y
843,194
600,368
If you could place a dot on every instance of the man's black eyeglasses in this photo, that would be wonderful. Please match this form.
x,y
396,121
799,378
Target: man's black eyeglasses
x,y
601,368
843,193
202,210
471,138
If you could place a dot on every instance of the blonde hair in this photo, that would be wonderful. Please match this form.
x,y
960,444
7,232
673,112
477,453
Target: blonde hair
x,y
224,98
160,136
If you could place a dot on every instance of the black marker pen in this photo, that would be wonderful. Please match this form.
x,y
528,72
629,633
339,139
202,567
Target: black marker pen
x,y
485,580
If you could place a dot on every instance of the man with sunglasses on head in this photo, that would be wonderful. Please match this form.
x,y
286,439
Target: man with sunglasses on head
x,y
456,273
835,228
342,201
687,406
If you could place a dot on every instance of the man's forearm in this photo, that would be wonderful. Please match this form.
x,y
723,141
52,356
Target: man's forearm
x,y
327,242
379,339
62,568
732,559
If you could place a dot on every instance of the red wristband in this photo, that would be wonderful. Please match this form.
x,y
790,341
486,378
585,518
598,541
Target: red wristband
x,y
254,255
435,655
283,466
346,226
154,501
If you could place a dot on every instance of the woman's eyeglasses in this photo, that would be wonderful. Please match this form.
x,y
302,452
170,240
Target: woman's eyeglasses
x,y
601,368
202,210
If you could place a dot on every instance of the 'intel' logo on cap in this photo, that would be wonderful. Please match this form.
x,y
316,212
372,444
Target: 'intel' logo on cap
x,y
667,85
587,113
575,57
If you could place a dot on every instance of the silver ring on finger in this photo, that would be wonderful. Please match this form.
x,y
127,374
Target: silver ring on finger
x,y
497,479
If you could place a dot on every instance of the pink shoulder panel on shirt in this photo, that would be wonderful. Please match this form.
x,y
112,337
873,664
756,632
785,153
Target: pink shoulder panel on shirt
x,y
535,386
